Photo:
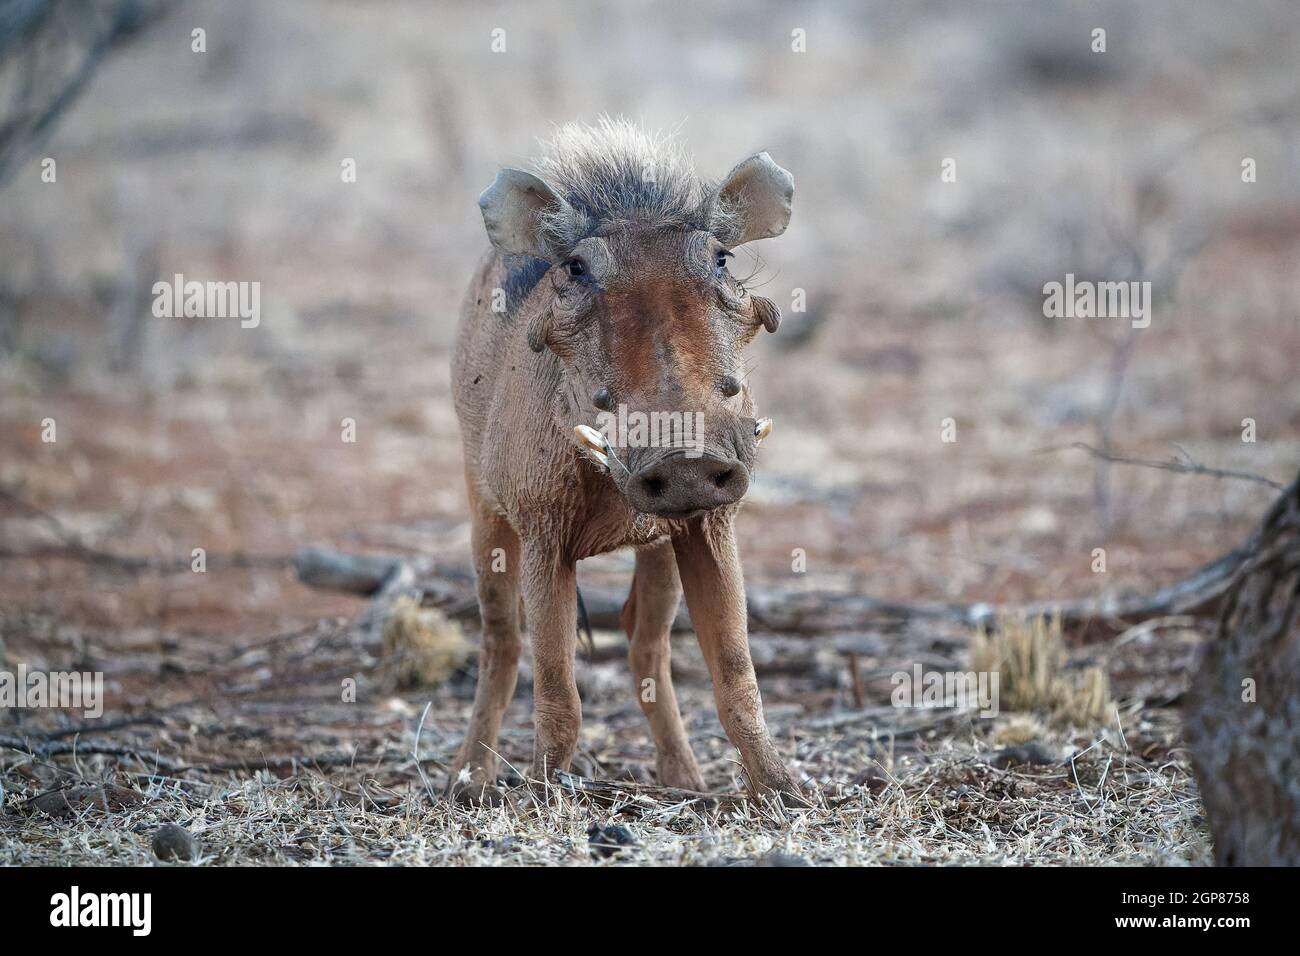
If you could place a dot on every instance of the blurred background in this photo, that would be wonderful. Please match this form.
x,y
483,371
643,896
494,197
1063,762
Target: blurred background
x,y
923,297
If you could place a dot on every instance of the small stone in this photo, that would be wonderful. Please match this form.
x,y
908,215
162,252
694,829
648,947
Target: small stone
x,y
608,840
171,842
505,844
1032,753
781,859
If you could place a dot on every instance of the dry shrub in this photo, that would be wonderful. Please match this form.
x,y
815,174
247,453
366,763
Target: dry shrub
x,y
1029,656
422,646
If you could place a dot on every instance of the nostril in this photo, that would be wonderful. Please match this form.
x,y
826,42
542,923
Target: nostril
x,y
679,485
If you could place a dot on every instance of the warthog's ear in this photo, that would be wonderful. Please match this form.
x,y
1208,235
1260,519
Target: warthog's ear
x,y
756,194
512,212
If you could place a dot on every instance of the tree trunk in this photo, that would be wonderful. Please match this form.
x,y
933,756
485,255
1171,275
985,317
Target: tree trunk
x,y
1243,713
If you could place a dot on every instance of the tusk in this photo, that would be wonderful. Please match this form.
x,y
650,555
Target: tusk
x,y
593,443
596,447
762,428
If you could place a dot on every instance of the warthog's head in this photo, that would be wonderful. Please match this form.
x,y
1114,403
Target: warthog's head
x,y
639,302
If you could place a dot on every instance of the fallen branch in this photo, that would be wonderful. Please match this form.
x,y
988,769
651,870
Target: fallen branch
x,y
79,748
450,586
103,727
623,795
793,612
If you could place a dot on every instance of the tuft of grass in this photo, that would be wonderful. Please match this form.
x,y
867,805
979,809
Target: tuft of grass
x,y
1013,730
1029,656
422,646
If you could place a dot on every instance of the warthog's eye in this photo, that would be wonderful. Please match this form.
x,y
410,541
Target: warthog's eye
x,y
730,386
720,262
576,268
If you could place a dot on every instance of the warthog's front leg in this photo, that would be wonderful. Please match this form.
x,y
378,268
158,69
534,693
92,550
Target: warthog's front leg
x,y
648,619
474,771
715,595
551,612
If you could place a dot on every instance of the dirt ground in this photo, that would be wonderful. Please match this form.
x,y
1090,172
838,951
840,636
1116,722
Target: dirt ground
x,y
223,710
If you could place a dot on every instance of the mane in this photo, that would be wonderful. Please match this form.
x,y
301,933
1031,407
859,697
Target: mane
x,y
616,171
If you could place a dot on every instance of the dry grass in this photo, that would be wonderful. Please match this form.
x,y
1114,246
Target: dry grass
x,y
282,772
422,648
949,807
1029,656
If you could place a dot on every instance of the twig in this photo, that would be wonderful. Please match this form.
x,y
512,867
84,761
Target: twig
x,y
1184,465
415,753
71,547
1120,357
292,763
1154,624
855,676
102,727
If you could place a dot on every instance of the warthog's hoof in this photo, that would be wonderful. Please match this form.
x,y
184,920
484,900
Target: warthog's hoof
x,y
680,774
783,789
474,792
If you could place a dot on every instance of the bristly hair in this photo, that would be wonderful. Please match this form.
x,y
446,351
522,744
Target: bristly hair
x,y
616,171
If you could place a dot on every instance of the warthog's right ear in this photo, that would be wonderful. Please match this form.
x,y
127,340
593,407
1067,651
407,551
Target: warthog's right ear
x,y
513,207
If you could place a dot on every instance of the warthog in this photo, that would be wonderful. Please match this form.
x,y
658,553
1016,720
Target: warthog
x,y
608,288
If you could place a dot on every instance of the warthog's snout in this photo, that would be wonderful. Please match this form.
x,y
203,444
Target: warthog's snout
x,y
677,485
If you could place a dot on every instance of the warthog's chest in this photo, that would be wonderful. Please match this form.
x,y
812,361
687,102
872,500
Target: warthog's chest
x,y
612,525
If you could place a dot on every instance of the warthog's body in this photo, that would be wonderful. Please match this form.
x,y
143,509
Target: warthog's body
x,y
615,292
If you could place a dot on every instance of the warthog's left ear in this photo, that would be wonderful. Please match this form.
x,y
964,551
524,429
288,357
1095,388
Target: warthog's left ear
x,y
513,207
757,193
